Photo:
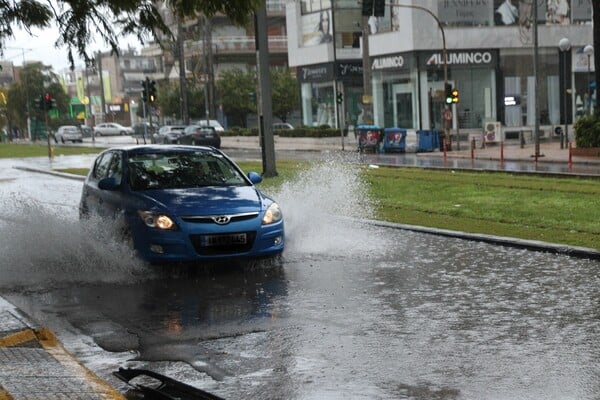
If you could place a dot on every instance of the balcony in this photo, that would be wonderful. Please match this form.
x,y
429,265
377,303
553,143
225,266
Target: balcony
x,y
238,45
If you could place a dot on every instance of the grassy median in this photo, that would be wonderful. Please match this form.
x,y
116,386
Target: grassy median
x,y
550,209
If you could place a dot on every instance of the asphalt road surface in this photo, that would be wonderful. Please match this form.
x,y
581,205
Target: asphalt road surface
x,y
351,310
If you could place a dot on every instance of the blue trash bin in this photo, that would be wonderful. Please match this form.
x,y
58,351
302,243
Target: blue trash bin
x,y
394,140
369,137
425,141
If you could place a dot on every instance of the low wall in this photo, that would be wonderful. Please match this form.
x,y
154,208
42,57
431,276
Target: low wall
x,y
586,151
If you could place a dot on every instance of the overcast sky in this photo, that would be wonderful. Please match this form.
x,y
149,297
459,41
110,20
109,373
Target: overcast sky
x,y
40,47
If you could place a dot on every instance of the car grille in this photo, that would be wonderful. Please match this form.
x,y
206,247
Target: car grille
x,y
223,249
208,219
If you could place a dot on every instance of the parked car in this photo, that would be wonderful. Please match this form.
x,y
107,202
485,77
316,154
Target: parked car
x,y
69,133
168,134
112,128
282,125
211,122
178,203
200,136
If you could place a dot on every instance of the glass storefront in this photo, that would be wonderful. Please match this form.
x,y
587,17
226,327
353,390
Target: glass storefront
x,y
519,87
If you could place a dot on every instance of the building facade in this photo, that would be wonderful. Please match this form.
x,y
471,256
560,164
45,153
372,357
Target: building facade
x,y
490,58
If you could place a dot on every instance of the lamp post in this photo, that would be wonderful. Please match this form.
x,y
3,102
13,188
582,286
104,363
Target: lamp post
x,y
588,50
565,45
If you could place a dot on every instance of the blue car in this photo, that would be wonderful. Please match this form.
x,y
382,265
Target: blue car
x,y
179,203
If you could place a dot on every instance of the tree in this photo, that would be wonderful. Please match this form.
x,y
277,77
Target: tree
x,y
79,21
285,93
236,90
169,101
36,80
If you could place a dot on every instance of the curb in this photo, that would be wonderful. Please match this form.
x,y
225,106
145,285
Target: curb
x,y
536,245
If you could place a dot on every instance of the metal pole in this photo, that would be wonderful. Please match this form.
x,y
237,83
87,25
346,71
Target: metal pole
x,y
266,101
589,84
537,78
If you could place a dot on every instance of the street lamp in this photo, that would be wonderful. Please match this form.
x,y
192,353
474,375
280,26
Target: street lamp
x,y
588,50
565,45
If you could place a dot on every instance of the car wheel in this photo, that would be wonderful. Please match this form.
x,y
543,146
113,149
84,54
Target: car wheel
x,y
62,140
121,133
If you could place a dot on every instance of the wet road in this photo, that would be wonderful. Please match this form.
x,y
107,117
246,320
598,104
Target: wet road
x,y
352,311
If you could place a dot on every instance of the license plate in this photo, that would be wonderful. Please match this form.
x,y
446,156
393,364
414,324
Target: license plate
x,y
223,240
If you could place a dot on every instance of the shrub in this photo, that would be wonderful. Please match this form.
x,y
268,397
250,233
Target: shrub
x,y
587,131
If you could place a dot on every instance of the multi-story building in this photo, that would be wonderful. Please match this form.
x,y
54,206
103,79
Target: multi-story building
x,y
209,46
492,58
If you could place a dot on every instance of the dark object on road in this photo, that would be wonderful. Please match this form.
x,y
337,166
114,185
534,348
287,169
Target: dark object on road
x,y
166,388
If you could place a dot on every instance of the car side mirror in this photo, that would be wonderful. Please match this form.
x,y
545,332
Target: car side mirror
x,y
255,177
109,183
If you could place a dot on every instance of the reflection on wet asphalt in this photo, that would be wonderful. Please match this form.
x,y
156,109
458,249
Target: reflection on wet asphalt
x,y
418,317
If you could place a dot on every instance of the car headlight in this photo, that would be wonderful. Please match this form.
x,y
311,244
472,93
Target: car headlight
x,y
157,220
272,215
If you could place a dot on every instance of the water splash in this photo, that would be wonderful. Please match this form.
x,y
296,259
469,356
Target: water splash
x,y
44,246
322,207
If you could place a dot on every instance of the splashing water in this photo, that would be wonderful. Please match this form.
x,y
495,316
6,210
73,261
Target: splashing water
x,y
322,208
43,246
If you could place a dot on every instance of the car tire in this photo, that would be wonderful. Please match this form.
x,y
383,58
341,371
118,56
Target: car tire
x,y
121,133
62,140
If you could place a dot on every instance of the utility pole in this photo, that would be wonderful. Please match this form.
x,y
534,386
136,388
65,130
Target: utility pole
x,y
102,100
185,114
367,99
266,102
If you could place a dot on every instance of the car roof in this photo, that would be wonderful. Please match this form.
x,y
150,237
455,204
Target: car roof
x,y
161,149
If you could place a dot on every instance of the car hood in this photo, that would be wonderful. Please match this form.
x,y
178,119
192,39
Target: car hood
x,y
205,201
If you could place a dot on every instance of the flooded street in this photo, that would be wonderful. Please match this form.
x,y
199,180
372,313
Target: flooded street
x,y
351,311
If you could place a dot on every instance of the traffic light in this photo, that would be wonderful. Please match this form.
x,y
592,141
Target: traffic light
x,y
340,98
455,96
144,90
40,102
449,93
152,91
367,8
49,102
379,8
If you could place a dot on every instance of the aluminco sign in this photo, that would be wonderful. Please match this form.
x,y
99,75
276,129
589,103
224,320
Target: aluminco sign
x,y
388,62
474,57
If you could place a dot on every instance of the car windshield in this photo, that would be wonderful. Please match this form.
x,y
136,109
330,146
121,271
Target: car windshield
x,y
179,170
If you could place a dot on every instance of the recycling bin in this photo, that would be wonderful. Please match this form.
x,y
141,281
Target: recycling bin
x,y
369,137
394,140
426,140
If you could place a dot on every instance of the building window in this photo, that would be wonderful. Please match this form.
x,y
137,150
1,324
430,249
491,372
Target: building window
x,y
317,104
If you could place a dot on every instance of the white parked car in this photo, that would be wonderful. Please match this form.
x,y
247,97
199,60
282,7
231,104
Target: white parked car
x,y
112,128
211,122
69,133
282,125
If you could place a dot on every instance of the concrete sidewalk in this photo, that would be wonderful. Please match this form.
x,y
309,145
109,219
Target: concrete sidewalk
x,y
34,365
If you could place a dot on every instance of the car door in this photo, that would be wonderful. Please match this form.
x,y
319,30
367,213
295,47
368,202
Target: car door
x,y
103,202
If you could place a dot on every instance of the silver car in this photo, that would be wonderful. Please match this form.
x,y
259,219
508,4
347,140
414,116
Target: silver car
x,y
112,128
168,134
69,133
